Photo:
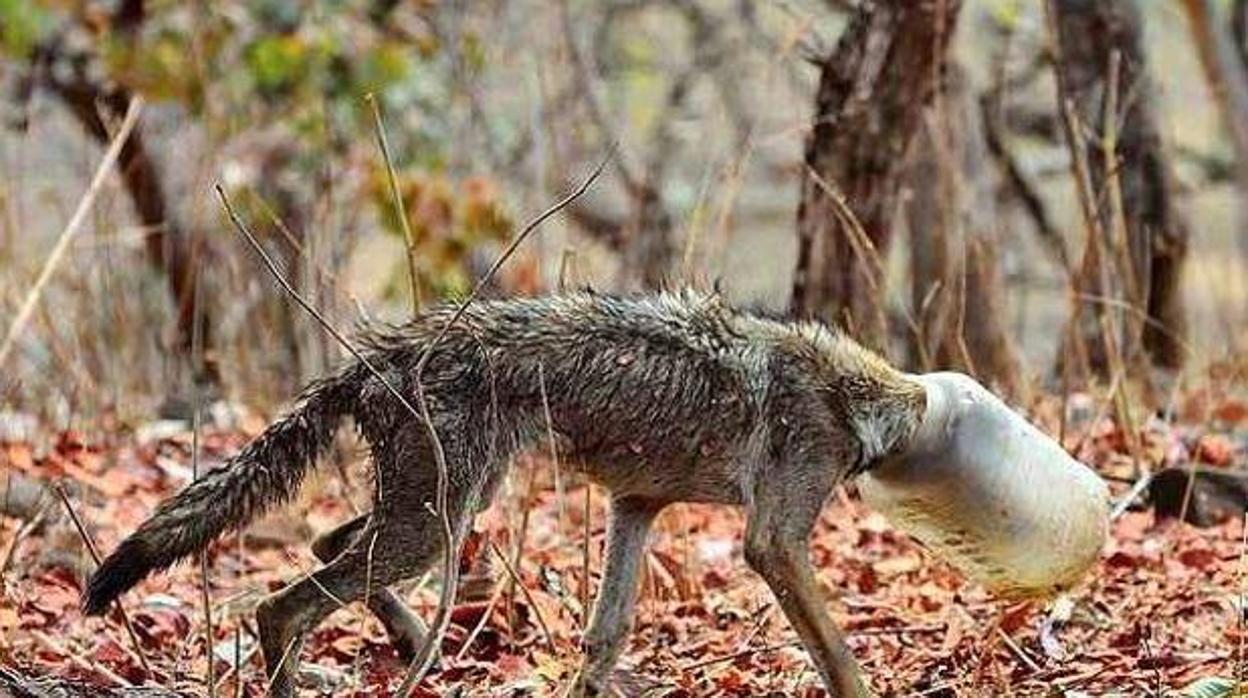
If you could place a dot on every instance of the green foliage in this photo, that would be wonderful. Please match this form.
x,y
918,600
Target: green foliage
x,y
263,62
384,65
23,24
447,218
278,63
297,71
158,65
1214,687
1005,12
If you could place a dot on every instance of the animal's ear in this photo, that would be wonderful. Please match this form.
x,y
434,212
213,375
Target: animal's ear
x,y
884,424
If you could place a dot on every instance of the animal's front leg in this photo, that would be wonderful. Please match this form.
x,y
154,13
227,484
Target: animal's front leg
x,y
612,617
777,534
789,575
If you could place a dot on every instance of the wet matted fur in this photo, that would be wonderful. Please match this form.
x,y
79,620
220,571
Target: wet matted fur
x,y
664,398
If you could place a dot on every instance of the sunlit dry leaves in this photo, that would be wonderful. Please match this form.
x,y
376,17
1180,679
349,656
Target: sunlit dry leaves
x,y
1160,607
1215,449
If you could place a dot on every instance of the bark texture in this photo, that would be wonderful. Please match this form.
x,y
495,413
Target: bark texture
x,y
170,247
957,292
1139,256
873,88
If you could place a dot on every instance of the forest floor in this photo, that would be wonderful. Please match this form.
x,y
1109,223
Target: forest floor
x,y
1162,610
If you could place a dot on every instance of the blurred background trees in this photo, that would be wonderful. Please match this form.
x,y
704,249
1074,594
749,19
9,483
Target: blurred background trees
x,y
1048,192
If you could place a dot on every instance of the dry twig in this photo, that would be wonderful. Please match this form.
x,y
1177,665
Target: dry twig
x,y
427,654
409,240
95,554
72,228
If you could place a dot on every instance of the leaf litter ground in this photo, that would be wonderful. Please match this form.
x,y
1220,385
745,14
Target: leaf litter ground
x,y
1163,609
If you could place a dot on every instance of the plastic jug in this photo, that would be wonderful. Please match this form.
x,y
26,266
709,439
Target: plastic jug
x,y
982,486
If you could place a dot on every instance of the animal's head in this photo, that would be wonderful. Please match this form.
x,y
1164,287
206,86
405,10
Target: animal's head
x,y
881,406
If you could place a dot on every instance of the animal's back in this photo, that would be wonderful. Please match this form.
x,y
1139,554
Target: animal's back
x,y
653,394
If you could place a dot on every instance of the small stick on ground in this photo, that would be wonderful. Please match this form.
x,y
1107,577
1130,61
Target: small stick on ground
x,y
866,632
515,578
1136,490
1018,651
95,555
499,589
990,642
62,651
27,527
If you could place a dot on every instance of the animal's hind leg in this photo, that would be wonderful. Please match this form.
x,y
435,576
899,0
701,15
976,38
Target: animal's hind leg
x,y
402,548
627,529
405,628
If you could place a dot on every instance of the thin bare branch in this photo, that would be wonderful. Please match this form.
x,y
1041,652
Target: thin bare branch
x,y
409,240
72,228
427,654
95,555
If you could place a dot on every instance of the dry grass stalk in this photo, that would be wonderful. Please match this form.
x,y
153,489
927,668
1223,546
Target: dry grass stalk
x,y
95,555
554,449
952,226
1095,260
517,552
1119,358
72,228
291,239
409,240
717,244
500,589
586,540
863,248
1117,210
197,360
1090,267
567,260
515,579
1073,341
23,531
1241,668
426,655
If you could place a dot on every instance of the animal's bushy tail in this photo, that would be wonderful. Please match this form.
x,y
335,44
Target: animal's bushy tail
x,y
267,471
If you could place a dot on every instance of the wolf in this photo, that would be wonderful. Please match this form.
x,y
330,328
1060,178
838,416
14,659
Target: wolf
x,y
660,398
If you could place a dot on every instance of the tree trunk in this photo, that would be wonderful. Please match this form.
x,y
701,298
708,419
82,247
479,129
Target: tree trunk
x,y
872,91
1239,29
169,246
1139,256
1224,60
957,292
66,72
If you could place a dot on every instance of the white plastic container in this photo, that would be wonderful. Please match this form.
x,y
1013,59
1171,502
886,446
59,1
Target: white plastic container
x,y
983,487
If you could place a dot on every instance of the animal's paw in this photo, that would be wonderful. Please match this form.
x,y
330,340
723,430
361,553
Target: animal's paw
x,y
406,638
